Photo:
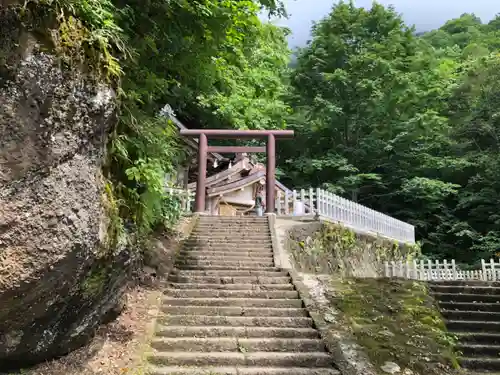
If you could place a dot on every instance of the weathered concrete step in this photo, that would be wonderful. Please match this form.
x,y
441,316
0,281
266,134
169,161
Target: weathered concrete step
x,y
232,230
234,241
312,359
481,363
232,226
235,321
463,297
230,280
275,272
470,306
251,247
472,326
478,338
236,302
231,219
466,289
260,287
231,256
225,264
244,332
189,267
233,311
193,293
470,350
230,236
233,344
471,315
183,370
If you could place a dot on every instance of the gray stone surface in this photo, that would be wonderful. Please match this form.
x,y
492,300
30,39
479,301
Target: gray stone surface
x,y
57,280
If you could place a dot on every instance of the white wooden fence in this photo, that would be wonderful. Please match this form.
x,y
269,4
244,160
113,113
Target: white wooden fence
x,y
338,209
441,270
186,197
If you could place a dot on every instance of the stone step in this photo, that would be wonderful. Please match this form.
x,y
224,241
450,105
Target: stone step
x,y
183,370
313,359
234,241
182,263
193,293
235,302
260,287
233,344
453,297
478,338
230,236
466,289
221,255
254,227
230,280
244,332
471,315
235,321
479,350
192,267
472,326
254,247
275,272
234,311
235,229
470,306
232,219
482,363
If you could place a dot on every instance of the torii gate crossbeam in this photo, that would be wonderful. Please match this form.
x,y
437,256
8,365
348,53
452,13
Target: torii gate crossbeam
x,y
203,149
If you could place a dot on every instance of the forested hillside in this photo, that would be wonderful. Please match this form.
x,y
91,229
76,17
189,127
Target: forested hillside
x,y
408,125
404,124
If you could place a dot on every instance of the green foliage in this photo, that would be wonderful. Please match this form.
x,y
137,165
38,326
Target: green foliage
x,y
397,321
406,125
213,61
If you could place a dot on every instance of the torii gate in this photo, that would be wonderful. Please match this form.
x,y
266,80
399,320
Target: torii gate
x,y
203,149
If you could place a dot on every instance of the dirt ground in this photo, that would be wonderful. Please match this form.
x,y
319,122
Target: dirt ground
x,y
118,348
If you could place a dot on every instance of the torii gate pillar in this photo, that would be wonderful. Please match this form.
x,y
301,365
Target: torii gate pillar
x,y
203,149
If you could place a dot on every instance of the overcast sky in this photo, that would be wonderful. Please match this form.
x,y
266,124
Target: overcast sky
x,y
424,14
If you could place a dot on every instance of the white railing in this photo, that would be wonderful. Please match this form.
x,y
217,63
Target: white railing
x,y
441,270
186,197
334,208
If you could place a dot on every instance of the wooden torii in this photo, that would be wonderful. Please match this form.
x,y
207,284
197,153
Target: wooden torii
x,y
203,149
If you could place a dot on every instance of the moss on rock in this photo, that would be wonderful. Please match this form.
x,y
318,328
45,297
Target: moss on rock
x,y
334,249
396,321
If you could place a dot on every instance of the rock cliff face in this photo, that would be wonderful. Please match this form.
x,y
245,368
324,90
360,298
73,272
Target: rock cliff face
x,y
58,282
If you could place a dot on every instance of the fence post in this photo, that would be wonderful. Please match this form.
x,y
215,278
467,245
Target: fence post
x,y
278,202
318,201
438,276
493,274
415,270
386,269
311,201
408,269
483,268
294,201
454,269
303,199
287,205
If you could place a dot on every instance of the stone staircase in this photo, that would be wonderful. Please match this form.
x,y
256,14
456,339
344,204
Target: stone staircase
x,y
472,312
228,310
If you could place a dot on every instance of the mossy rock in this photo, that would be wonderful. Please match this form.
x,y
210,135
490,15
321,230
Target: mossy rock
x,y
396,321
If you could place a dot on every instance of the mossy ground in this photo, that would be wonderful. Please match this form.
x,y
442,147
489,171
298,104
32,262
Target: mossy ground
x,y
396,321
